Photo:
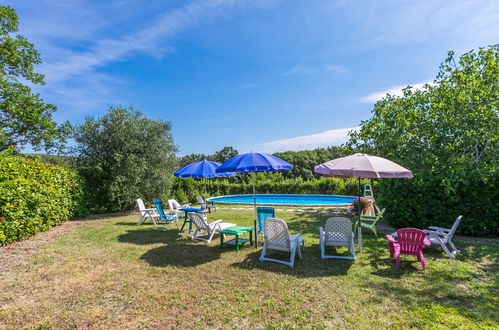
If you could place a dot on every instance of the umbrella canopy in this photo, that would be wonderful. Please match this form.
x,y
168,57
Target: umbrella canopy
x,y
363,166
366,167
254,162
251,163
202,169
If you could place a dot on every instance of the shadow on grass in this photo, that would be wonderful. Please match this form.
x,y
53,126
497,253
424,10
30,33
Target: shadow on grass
x,y
310,266
181,254
449,290
147,236
105,216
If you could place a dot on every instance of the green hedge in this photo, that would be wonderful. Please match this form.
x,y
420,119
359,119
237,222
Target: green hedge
x,y
35,196
432,202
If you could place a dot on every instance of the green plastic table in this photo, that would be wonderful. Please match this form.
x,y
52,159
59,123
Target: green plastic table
x,y
236,231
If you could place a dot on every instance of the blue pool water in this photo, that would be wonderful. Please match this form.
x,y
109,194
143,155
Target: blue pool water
x,y
271,199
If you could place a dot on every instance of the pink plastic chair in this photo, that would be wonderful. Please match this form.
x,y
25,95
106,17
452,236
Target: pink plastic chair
x,y
409,241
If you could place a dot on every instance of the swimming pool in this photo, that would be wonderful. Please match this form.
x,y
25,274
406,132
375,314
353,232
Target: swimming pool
x,y
274,199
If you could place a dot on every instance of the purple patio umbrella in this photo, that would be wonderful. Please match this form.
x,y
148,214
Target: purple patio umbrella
x,y
363,166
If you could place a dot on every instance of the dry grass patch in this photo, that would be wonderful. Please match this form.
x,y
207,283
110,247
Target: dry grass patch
x,y
109,273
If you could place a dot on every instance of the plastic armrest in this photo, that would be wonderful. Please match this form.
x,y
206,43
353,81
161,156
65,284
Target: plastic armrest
x,y
390,239
434,232
216,221
439,229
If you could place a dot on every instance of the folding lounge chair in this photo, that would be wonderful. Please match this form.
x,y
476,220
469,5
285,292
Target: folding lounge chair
x,y
337,232
207,205
209,228
146,213
264,212
369,222
442,237
168,217
276,237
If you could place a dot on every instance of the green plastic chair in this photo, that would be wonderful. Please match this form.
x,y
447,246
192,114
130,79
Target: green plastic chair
x,y
369,222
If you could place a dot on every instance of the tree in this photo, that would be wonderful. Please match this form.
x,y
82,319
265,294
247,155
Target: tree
x,y
304,161
447,134
222,155
123,156
24,117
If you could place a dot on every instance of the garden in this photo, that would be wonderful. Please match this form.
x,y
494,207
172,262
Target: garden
x,y
72,254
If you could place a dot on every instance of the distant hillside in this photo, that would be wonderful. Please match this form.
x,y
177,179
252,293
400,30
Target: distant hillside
x,y
53,159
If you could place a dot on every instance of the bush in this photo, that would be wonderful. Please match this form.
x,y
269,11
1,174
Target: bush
x,y
35,196
429,202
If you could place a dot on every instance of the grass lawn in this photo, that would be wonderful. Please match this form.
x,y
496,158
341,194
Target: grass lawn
x,y
103,272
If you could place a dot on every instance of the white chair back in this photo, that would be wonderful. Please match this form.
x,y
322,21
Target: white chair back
x,y
449,236
276,234
199,222
171,206
140,205
201,202
176,205
338,231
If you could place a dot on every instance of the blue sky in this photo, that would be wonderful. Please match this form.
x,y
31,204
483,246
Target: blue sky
x,y
261,75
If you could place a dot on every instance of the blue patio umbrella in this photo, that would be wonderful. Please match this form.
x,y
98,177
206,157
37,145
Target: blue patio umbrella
x,y
202,169
254,162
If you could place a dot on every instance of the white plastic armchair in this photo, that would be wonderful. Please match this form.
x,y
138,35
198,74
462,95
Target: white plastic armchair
x,y
209,228
337,232
276,237
146,213
443,236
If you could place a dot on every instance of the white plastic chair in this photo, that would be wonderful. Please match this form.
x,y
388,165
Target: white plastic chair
x,y
209,229
276,237
146,213
204,204
442,237
177,205
338,232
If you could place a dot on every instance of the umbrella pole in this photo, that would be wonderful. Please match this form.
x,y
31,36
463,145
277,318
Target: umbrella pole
x,y
254,213
359,229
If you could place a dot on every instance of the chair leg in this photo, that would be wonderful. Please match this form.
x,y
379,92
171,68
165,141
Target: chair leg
x,y
390,246
352,249
421,258
292,257
454,249
299,251
373,228
397,260
264,250
211,236
446,250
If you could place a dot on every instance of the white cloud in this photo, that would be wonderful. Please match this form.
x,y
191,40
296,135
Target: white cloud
x,y
302,69
73,75
329,138
336,68
298,69
394,91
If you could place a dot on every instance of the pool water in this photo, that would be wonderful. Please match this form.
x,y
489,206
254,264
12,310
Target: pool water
x,y
273,199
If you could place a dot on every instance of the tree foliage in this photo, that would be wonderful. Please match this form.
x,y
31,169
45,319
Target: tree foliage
x,y
304,161
24,117
124,156
447,134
